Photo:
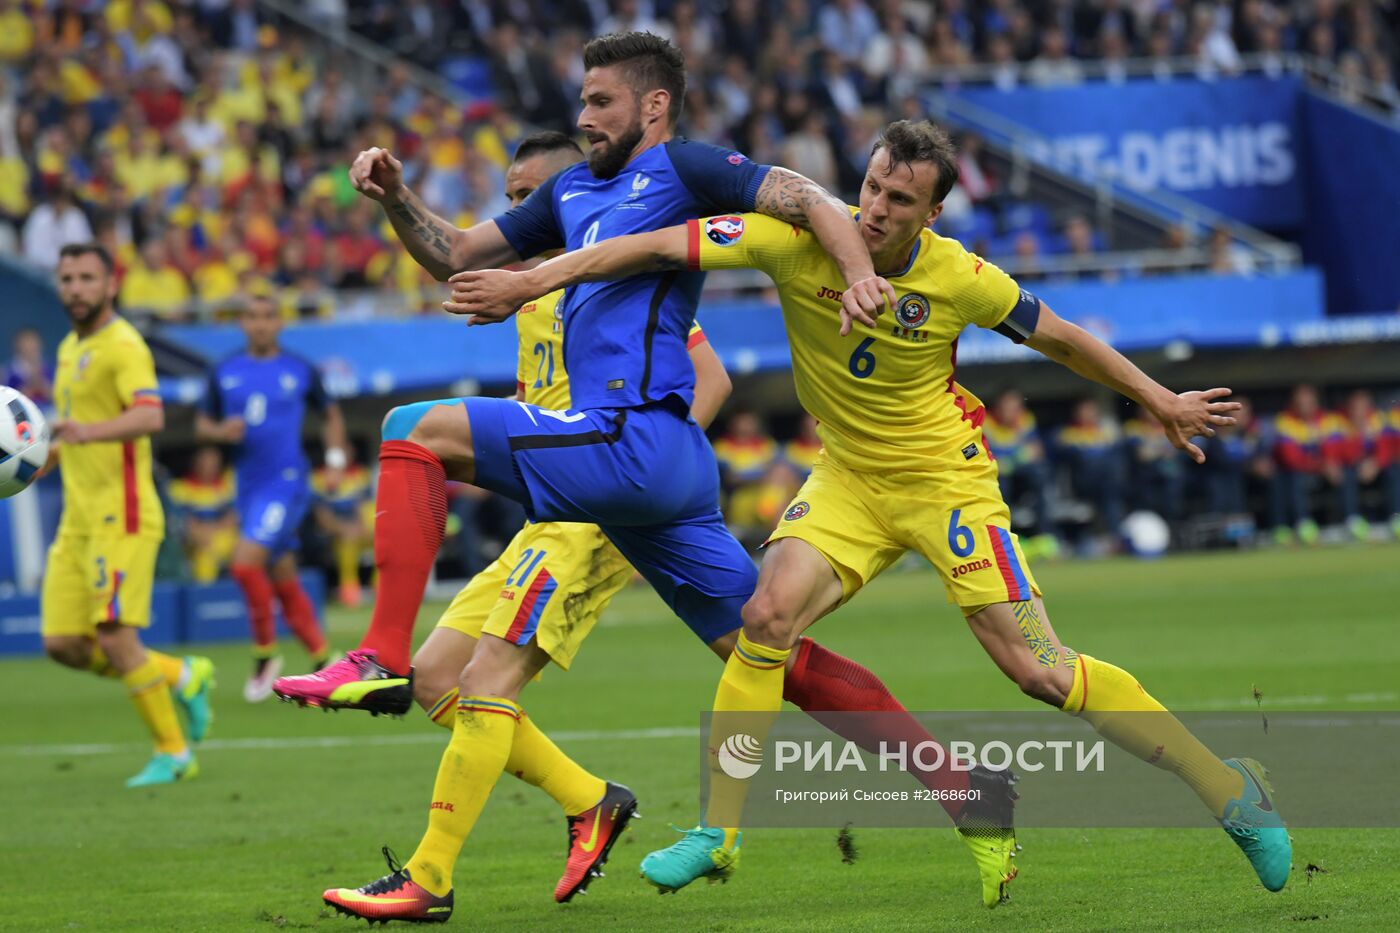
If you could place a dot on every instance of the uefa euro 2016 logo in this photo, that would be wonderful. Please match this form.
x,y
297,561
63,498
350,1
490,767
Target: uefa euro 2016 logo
x,y
724,231
740,756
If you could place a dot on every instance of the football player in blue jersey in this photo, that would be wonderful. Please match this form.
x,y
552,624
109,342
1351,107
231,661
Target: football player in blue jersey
x,y
256,401
627,456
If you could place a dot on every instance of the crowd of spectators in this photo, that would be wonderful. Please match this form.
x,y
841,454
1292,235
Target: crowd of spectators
x,y
206,144
208,150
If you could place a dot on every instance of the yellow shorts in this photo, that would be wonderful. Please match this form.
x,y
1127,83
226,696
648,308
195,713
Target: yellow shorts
x,y
551,584
98,579
864,522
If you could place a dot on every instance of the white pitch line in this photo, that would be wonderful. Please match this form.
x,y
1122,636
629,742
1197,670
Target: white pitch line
x,y
292,743
1273,703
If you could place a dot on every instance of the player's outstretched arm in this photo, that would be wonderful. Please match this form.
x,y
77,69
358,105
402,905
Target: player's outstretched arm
x,y
1184,416
712,383
492,295
435,244
796,199
137,421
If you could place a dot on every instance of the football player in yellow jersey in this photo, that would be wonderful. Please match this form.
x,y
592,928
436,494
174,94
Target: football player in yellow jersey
x,y
101,567
905,467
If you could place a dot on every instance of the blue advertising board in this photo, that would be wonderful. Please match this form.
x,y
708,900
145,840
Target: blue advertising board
x,y
180,614
1132,313
1231,144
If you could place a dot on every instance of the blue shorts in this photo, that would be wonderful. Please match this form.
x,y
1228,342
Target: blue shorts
x,y
646,475
271,514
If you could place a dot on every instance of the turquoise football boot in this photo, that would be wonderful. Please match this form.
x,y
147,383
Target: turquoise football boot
x,y
165,769
193,697
700,853
1254,825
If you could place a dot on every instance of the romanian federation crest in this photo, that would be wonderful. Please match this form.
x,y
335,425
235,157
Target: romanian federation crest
x,y
912,311
797,510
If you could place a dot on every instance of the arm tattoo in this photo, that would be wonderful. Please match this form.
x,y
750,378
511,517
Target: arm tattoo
x,y
427,237
789,196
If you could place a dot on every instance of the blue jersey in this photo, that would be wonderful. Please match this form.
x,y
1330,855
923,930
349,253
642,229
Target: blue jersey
x,y
271,396
625,341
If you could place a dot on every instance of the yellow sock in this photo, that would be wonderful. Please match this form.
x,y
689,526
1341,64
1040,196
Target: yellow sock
x,y
536,760
752,684
171,667
474,759
444,711
149,691
347,559
1120,710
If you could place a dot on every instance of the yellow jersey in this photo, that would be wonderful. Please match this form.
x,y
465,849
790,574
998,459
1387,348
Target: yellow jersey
x,y
539,372
884,398
108,487
205,499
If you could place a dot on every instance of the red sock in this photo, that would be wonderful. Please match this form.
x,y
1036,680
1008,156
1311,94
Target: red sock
x,y
257,593
300,615
411,510
823,681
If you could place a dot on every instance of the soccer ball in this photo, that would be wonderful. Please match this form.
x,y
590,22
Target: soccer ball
x,y
24,442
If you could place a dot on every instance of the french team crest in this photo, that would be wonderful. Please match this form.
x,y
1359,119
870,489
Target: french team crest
x,y
725,231
912,311
797,510
639,184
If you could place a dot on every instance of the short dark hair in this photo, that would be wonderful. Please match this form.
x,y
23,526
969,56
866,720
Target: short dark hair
x,y
649,62
71,250
908,141
544,143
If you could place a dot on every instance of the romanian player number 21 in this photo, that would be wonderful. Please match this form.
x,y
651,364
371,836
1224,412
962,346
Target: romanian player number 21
x,y
862,360
526,564
960,538
544,373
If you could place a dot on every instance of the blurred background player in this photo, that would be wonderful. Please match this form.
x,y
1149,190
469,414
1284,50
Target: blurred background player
x,y
801,452
1023,470
256,401
101,567
1299,432
1356,455
1156,470
1091,445
204,502
344,510
29,370
744,451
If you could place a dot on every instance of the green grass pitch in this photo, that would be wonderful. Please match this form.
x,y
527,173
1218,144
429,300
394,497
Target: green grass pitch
x,y
291,801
